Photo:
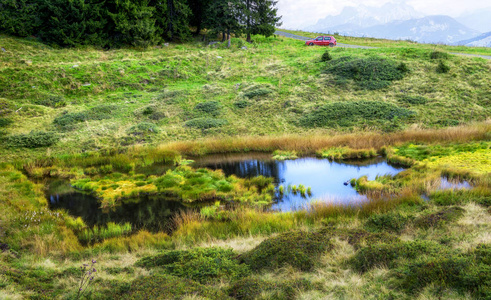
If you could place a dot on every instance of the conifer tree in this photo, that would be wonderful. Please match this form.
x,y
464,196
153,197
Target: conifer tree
x,y
71,22
260,17
19,17
224,16
133,23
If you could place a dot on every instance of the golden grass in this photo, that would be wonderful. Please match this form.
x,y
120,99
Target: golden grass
x,y
309,144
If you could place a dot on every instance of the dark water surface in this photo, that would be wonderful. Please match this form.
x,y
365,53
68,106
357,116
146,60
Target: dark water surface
x,y
325,178
151,213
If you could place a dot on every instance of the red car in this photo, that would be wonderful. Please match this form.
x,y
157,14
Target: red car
x,y
325,40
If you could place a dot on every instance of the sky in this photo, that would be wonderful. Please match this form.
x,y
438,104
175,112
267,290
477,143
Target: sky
x,y
299,13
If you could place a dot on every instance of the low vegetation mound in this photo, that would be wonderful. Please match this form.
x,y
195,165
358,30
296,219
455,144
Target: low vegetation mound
x,y
143,128
199,264
250,287
299,249
169,287
212,108
206,123
468,272
101,112
359,237
367,73
440,218
392,222
34,139
413,100
347,114
389,255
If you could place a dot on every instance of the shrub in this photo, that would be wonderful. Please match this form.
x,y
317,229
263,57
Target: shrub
x,y
350,113
211,107
257,91
241,103
442,67
250,288
199,264
438,55
326,56
51,101
389,255
392,221
299,249
4,122
359,237
100,112
162,287
466,272
415,100
143,128
368,73
206,123
34,139
439,218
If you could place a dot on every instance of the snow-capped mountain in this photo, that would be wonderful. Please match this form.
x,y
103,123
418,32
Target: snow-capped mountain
x,y
483,40
430,29
354,18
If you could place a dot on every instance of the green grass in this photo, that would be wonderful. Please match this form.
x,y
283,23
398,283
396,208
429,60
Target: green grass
x,y
107,119
187,92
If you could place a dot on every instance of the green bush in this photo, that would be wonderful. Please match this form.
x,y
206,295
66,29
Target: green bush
x,y
4,122
163,287
206,123
242,103
465,272
34,139
438,55
199,264
352,113
415,100
257,91
393,222
67,120
326,56
442,67
368,73
211,107
143,128
51,101
390,255
250,288
359,237
439,218
299,249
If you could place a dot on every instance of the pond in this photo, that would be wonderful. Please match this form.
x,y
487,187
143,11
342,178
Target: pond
x,y
325,178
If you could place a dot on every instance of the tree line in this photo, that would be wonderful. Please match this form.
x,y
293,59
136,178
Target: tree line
x,y
141,23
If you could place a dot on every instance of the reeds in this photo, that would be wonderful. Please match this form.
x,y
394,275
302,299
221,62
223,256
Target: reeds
x,y
99,233
312,143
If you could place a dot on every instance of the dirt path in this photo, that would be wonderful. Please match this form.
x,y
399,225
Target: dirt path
x,y
303,38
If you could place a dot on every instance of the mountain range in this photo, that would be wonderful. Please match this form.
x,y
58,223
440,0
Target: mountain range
x,y
402,21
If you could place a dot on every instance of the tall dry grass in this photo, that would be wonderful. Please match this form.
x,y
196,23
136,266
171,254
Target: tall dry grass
x,y
309,144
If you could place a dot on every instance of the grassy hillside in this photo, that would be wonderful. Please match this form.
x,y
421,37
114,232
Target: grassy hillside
x,y
90,99
120,124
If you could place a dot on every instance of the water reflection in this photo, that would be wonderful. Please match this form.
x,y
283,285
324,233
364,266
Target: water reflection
x,y
326,178
147,212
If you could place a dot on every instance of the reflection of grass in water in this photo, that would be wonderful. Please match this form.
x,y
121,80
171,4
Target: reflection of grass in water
x,y
98,233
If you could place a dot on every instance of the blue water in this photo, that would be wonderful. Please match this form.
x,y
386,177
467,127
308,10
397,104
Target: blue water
x,y
325,178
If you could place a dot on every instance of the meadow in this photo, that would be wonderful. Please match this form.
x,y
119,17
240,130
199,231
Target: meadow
x,y
104,120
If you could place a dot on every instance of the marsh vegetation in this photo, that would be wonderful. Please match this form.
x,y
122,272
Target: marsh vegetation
x,y
168,167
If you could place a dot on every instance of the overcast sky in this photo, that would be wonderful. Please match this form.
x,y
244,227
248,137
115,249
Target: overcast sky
x,y
299,13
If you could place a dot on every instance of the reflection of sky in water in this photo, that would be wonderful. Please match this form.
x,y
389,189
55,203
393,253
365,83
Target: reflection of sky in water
x,y
446,185
324,177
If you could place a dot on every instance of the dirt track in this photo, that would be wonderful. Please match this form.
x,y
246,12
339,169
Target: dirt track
x,y
303,38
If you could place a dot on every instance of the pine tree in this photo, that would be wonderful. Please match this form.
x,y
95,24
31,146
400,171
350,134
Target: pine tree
x,y
224,16
71,22
133,22
19,17
199,15
176,20
261,17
